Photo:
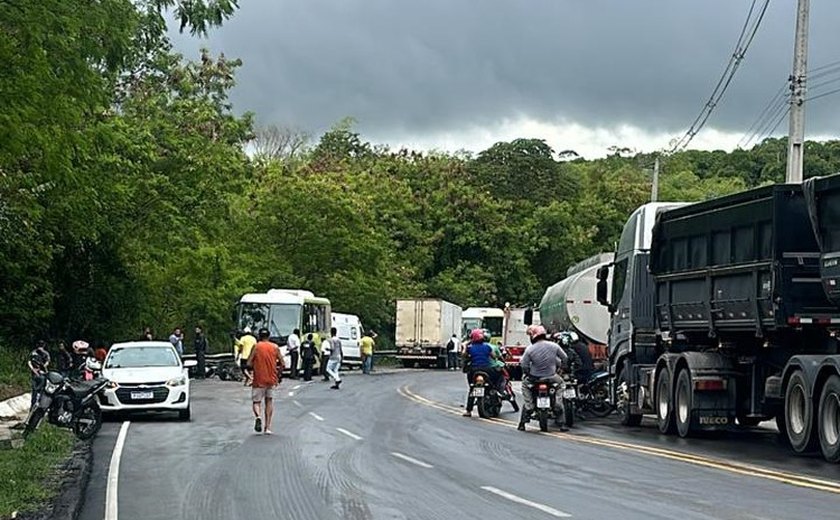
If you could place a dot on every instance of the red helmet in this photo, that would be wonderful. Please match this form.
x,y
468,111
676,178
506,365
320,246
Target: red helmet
x,y
477,336
535,331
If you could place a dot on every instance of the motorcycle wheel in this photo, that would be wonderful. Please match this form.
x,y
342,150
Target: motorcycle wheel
x,y
569,412
492,407
543,415
88,422
598,402
33,421
480,405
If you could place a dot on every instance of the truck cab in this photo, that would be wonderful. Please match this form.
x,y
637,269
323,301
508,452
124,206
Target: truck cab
x,y
626,288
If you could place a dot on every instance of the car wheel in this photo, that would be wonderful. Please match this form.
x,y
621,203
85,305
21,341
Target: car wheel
x,y
184,415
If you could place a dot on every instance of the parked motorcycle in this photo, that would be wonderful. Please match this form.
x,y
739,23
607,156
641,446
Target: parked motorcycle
x,y
68,404
594,394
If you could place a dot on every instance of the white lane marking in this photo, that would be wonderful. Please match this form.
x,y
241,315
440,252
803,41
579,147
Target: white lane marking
x,y
411,460
316,416
296,387
349,434
111,491
519,500
297,403
291,394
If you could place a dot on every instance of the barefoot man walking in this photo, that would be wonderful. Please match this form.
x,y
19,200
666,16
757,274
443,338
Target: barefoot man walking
x,y
266,362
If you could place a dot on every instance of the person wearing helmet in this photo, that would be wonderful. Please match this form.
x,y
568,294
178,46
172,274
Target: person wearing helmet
x,y
540,363
478,356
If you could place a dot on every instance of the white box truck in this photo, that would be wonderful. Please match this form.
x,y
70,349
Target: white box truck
x,y
423,328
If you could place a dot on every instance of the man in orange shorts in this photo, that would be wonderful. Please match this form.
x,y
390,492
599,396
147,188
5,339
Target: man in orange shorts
x,y
267,363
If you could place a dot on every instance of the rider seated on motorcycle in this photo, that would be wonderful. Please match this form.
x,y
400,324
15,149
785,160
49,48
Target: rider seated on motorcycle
x,y
586,367
478,356
540,363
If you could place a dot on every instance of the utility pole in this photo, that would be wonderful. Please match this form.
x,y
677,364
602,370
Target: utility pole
x,y
796,135
654,188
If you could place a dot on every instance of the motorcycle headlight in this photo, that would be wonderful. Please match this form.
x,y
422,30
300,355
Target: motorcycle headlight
x,y
177,381
50,388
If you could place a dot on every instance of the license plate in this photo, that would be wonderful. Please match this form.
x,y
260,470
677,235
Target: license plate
x,y
478,391
142,395
569,393
543,402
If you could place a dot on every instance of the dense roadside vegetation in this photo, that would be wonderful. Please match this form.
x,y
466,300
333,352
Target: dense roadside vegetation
x,y
127,198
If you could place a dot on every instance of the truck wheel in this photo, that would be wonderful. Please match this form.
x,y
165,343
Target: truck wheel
x,y
663,399
408,363
623,399
683,403
799,414
829,419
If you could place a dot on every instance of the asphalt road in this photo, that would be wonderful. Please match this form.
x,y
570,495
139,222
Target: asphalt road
x,y
394,446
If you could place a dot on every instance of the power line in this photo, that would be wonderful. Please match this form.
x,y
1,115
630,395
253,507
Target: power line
x,y
759,121
726,78
824,94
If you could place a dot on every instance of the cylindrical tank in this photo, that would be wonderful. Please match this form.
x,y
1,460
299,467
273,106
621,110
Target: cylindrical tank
x,y
571,303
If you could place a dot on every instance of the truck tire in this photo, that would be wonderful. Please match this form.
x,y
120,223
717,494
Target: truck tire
x,y
829,419
799,414
622,404
664,403
683,403
408,363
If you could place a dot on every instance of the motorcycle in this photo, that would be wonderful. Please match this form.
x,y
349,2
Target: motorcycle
x,y
594,394
487,398
68,404
546,394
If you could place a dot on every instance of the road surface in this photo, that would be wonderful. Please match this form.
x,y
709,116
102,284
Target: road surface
x,y
394,446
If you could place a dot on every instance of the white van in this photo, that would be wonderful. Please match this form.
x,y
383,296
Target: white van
x,y
349,329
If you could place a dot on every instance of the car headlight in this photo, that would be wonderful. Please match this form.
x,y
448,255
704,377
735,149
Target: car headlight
x,y
178,381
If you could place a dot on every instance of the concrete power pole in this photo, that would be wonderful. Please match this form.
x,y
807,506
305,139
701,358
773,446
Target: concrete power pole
x,y
796,135
654,188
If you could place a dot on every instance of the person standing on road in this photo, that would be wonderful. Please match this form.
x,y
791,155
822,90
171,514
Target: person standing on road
x,y
293,348
244,346
334,363
307,356
325,357
177,340
200,347
452,351
366,346
39,361
65,360
267,362
540,363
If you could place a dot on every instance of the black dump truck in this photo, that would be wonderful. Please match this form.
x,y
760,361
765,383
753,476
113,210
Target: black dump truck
x,y
726,313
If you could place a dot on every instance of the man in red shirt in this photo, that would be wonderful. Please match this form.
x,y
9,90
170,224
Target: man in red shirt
x,y
267,363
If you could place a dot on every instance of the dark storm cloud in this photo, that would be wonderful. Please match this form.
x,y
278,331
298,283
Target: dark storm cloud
x,y
414,67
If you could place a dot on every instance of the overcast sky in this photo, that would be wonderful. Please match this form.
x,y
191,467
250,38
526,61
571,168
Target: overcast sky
x,y
463,74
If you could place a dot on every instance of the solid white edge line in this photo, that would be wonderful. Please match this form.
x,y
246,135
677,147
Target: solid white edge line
x,y
316,416
349,434
519,500
112,491
412,460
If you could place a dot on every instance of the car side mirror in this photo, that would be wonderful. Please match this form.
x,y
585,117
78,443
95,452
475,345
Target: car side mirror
x,y
529,317
601,295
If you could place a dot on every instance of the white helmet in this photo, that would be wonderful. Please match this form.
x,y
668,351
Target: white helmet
x,y
573,336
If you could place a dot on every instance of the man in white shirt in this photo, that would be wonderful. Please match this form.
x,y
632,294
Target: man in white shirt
x,y
293,348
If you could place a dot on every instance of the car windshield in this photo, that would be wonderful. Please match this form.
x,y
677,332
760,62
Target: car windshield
x,y
280,319
142,357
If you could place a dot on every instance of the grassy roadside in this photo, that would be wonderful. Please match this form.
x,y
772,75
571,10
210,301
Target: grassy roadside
x,y
29,476
14,376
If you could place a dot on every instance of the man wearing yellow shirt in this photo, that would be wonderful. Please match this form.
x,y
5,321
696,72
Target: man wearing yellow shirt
x,y
366,346
242,348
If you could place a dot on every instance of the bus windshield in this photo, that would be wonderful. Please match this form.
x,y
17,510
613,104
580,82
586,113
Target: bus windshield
x,y
280,318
